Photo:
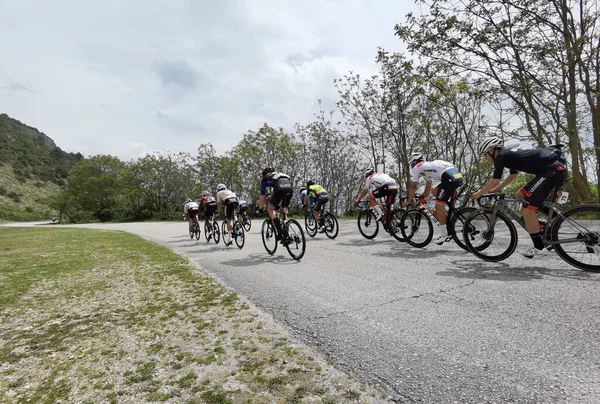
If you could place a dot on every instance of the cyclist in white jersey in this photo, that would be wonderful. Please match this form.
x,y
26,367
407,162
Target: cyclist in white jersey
x,y
229,199
449,180
378,185
190,210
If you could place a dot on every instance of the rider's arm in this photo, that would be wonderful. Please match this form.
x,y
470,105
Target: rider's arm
x,y
261,202
411,193
427,189
493,183
507,181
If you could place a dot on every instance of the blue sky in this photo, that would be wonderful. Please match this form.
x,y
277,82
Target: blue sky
x,y
130,77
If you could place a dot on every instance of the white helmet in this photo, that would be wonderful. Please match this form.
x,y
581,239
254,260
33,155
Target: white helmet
x,y
369,171
489,142
415,158
221,187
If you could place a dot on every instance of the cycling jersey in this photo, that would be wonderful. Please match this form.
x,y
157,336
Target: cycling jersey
x,y
282,189
532,161
317,189
207,200
225,195
377,180
231,202
189,206
311,197
431,169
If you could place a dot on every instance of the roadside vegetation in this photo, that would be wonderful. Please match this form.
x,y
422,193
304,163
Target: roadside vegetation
x,y
92,316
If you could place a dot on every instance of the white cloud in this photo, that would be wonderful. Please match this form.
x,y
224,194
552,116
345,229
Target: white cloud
x,y
123,78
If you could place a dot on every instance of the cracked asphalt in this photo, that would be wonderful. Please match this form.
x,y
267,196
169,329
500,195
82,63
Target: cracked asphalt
x,y
434,325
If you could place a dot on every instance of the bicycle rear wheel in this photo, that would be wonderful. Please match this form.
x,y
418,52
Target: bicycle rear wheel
x,y
269,236
297,246
207,232
488,239
457,224
578,231
216,232
310,223
416,228
238,234
395,222
331,225
368,226
226,235
197,230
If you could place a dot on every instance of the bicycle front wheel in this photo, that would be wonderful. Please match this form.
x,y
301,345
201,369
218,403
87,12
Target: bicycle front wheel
x,y
297,245
331,225
577,232
416,228
490,238
310,223
394,224
238,234
269,236
207,232
368,226
457,224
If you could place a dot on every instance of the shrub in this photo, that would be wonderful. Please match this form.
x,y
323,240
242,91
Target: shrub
x,y
14,196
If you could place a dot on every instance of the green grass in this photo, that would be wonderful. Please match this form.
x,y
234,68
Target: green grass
x,y
89,316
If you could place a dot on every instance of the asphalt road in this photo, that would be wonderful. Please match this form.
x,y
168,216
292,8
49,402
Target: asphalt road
x,y
432,325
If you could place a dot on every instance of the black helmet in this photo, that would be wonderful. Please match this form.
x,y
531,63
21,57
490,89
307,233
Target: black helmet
x,y
309,183
267,171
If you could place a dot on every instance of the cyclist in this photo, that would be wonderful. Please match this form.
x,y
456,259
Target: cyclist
x,y
378,185
190,211
316,194
229,199
281,195
449,180
549,169
209,204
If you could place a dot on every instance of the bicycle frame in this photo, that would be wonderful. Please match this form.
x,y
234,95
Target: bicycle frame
x,y
501,204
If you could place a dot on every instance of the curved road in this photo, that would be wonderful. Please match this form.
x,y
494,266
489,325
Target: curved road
x,y
434,325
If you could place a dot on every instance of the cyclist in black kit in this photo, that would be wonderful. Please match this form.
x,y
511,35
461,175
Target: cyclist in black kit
x,y
549,169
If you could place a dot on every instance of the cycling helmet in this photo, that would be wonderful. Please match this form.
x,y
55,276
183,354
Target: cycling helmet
x,y
415,158
221,187
369,171
267,171
188,200
302,189
488,143
310,183
205,193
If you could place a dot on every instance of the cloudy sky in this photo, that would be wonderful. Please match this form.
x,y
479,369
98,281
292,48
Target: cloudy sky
x,y
129,77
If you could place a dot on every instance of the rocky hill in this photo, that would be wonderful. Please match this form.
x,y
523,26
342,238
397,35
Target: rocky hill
x,y
32,168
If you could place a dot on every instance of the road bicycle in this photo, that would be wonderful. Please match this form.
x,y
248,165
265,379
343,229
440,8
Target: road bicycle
x,y
211,230
417,224
574,233
293,237
330,222
195,230
237,231
368,225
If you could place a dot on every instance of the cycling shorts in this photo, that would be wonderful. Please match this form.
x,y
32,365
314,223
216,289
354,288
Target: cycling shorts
x,y
230,205
451,180
387,190
536,190
321,200
282,193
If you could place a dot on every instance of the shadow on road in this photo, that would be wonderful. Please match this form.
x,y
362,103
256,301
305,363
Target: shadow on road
x,y
503,271
364,242
407,251
258,259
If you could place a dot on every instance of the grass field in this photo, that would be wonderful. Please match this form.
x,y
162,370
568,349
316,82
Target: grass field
x,y
91,316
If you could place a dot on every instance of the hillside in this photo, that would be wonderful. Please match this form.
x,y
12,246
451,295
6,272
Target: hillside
x,y
32,168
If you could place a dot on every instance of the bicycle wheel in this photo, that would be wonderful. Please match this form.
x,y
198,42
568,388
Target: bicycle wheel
x,y
297,246
310,223
191,233
456,226
416,228
197,230
269,236
331,225
207,232
394,224
488,239
578,231
247,223
226,234
368,226
238,235
216,232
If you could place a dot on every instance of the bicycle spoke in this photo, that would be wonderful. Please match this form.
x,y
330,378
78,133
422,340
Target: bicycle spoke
x,y
578,232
